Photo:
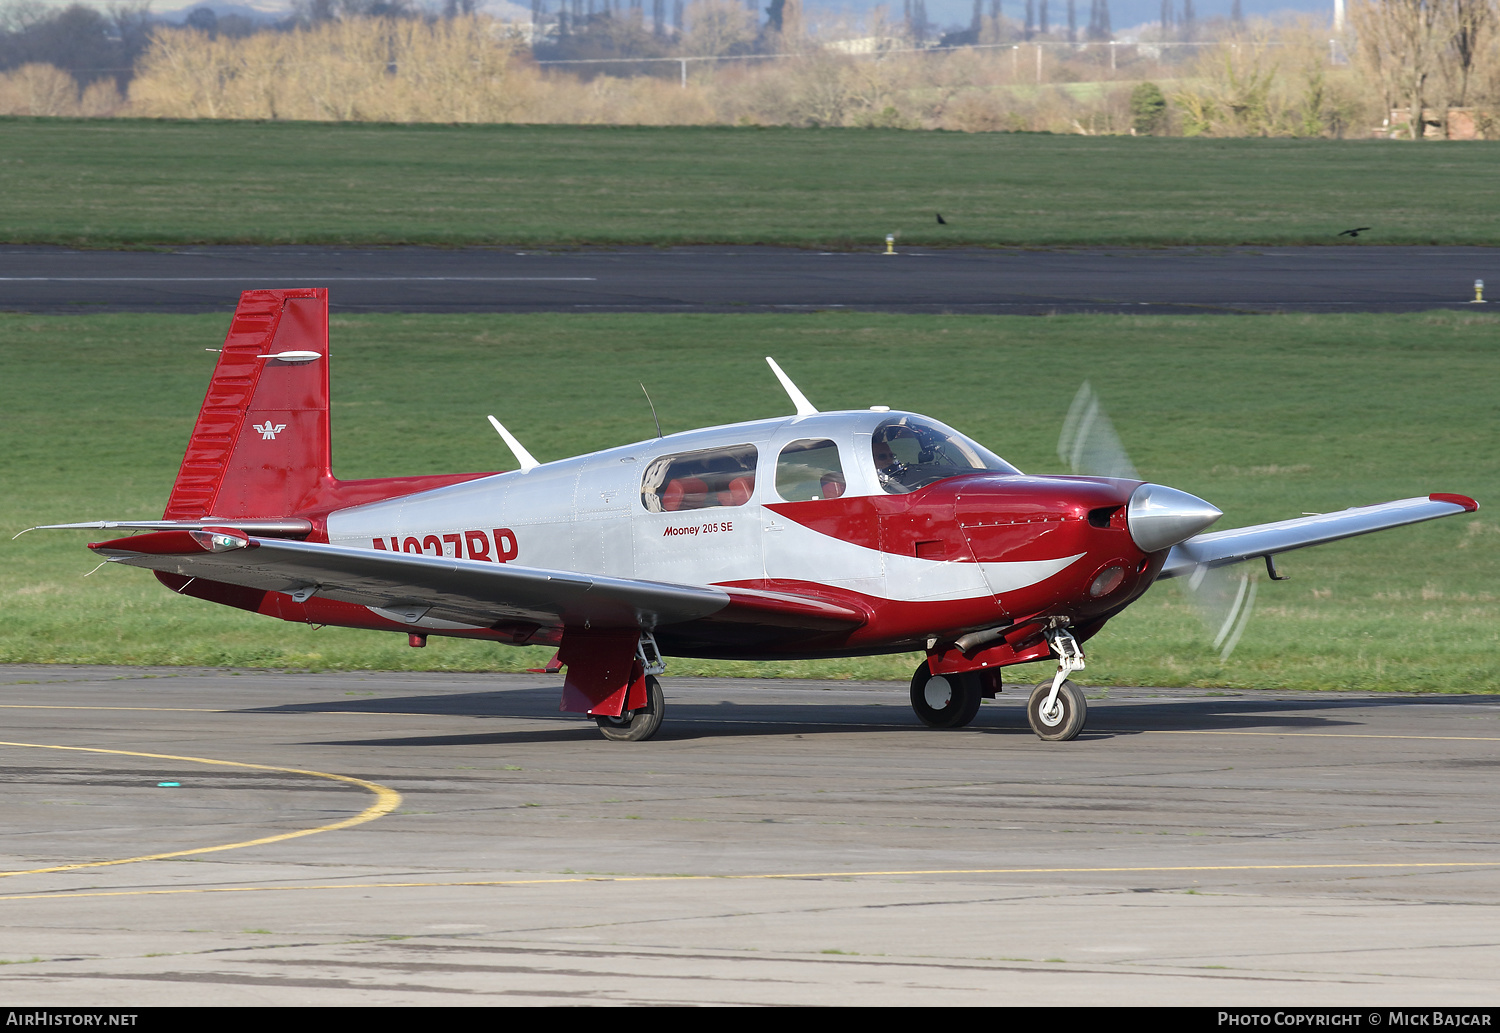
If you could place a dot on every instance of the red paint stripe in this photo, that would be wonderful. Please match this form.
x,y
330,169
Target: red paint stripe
x,y
1458,500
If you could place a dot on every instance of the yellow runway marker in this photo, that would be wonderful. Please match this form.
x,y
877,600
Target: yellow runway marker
x,y
1315,735
387,800
211,710
55,706
66,895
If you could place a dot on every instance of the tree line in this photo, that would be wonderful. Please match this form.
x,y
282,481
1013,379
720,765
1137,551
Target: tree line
x,y
1414,68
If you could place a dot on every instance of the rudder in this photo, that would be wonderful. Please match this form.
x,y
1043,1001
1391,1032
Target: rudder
x,y
261,446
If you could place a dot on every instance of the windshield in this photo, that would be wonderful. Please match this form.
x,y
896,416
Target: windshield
x,y
909,453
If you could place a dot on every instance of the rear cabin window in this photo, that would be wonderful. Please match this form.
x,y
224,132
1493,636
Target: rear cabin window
x,y
810,469
710,479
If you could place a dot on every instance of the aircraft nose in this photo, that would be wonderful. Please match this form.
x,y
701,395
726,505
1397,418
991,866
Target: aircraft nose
x,y
1159,517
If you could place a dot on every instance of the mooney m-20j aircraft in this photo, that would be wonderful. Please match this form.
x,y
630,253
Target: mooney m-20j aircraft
x,y
815,535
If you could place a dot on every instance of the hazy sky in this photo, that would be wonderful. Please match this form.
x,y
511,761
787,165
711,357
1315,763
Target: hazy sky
x,y
1122,13
945,13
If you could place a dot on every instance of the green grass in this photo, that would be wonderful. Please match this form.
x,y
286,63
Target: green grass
x,y
1266,416
111,183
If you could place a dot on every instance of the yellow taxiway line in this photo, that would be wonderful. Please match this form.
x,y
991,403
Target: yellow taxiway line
x,y
386,801
1364,866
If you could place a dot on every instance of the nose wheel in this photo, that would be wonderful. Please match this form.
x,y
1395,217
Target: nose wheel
x,y
944,700
1064,718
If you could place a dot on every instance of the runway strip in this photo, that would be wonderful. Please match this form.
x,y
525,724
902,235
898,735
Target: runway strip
x,y
750,279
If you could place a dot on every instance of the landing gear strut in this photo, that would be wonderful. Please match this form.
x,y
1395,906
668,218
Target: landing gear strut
x,y
945,700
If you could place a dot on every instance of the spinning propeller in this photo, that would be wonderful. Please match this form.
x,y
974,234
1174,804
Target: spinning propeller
x,y
1223,597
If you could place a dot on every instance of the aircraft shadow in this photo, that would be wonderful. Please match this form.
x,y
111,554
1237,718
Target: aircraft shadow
x,y
688,721
1239,713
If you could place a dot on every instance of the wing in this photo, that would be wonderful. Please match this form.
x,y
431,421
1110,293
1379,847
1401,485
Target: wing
x,y
1221,548
470,592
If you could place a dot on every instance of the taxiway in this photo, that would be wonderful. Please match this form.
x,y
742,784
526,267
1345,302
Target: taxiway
x,y
178,836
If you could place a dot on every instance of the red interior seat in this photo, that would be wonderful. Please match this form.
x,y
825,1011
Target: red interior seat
x,y
684,493
740,490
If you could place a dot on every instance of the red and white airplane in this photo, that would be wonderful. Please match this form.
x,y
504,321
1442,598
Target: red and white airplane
x,y
812,535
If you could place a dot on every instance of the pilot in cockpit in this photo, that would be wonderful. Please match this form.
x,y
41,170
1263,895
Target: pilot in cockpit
x,y
888,466
909,455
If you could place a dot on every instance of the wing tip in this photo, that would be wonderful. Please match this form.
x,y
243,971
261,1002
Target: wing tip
x,y
1458,500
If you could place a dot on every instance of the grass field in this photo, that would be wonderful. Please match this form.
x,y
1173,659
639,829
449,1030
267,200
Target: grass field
x,y
116,183
1267,417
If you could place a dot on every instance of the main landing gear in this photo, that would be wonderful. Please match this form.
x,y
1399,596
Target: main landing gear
x,y
945,700
639,724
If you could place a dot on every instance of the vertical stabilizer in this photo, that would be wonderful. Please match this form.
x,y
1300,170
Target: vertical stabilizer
x,y
260,447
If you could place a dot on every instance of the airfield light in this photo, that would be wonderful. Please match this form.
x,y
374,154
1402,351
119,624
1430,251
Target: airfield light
x,y
890,243
1478,292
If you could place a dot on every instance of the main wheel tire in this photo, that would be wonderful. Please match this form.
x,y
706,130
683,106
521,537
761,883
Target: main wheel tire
x,y
944,700
640,724
1068,714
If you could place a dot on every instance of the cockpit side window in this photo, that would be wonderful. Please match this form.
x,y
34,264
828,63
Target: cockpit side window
x,y
710,479
909,453
810,469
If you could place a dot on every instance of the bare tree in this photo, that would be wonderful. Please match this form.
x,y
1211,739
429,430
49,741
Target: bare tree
x,y
1401,40
1099,20
718,27
1472,24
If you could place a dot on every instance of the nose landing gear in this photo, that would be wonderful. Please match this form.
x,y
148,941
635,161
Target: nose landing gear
x,y
1057,709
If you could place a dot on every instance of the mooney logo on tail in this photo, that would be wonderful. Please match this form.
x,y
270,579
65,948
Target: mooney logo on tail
x,y
267,431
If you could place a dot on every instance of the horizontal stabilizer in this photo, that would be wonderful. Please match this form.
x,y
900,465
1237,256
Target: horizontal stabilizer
x,y
290,527
1220,548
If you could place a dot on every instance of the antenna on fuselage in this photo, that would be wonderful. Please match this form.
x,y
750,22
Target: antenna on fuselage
x,y
653,409
527,461
804,407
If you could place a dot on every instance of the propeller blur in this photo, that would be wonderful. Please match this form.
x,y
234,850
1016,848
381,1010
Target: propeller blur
x,y
813,535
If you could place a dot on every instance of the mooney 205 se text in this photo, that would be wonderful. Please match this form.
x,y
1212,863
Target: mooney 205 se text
x,y
813,535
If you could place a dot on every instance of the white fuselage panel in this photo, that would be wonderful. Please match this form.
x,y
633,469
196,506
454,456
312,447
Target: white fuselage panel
x,y
586,514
